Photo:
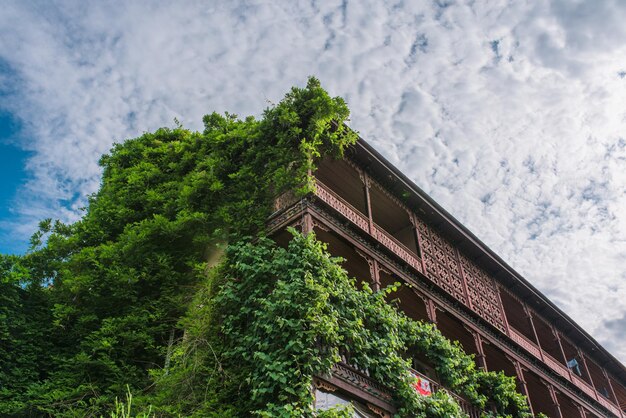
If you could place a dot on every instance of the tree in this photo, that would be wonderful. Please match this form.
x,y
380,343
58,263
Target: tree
x,y
24,334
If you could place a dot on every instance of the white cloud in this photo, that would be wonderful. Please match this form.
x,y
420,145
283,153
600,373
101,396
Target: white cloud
x,y
511,114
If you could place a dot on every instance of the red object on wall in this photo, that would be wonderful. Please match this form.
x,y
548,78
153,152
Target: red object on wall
x,y
422,386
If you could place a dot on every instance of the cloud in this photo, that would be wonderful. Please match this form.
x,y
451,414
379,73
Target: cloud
x,y
511,114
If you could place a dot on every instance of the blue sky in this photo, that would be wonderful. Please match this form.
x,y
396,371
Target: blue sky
x,y
510,113
13,174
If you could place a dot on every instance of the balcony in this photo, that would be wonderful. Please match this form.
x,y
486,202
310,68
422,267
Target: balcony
x,y
326,195
547,359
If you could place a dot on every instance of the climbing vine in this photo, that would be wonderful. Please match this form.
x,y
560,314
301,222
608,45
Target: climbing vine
x,y
283,315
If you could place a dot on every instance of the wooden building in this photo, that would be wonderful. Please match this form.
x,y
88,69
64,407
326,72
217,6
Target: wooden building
x,y
389,230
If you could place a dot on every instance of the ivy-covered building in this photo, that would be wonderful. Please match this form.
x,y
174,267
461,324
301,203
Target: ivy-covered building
x,y
185,284
387,229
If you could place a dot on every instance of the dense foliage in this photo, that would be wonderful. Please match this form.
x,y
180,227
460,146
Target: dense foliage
x,y
270,318
168,288
24,335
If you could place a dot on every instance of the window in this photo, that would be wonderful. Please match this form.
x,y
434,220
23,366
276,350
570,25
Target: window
x,y
327,400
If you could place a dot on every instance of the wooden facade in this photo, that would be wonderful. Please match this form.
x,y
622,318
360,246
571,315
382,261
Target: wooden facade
x,y
389,230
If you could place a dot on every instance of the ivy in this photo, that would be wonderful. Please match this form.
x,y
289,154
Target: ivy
x,y
283,315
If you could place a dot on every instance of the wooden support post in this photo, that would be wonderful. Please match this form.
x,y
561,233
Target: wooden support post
x,y
481,358
307,223
415,221
519,370
374,270
416,235
532,325
558,339
555,400
606,376
368,200
375,273
501,306
416,238
431,310
582,358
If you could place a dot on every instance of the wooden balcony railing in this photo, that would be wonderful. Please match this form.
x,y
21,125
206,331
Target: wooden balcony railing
x,y
589,390
609,405
397,247
555,365
285,200
348,364
524,342
344,208
584,386
352,214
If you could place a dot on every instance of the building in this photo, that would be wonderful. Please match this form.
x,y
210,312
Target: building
x,y
389,230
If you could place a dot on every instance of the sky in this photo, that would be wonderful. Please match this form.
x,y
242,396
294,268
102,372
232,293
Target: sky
x,y
511,114
13,173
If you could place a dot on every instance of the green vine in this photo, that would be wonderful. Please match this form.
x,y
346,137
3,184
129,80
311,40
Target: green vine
x,y
284,316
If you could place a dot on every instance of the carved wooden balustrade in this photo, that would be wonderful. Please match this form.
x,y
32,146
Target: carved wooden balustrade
x,y
524,342
360,379
285,200
584,386
351,373
397,247
555,365
352,214
609,405
344,208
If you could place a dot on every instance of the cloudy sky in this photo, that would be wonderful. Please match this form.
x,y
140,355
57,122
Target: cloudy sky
x,y
511,114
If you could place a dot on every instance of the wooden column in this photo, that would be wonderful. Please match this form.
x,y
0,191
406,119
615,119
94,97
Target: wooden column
x,y
429,304
481,358
558,339
431,310
506,320
416,235
529,315
606,376
307,223
555,400
374,270
375,273
415,221
582,358
519,370
368,200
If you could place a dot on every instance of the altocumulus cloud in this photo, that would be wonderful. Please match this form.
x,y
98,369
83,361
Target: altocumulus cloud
x,y
511,114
